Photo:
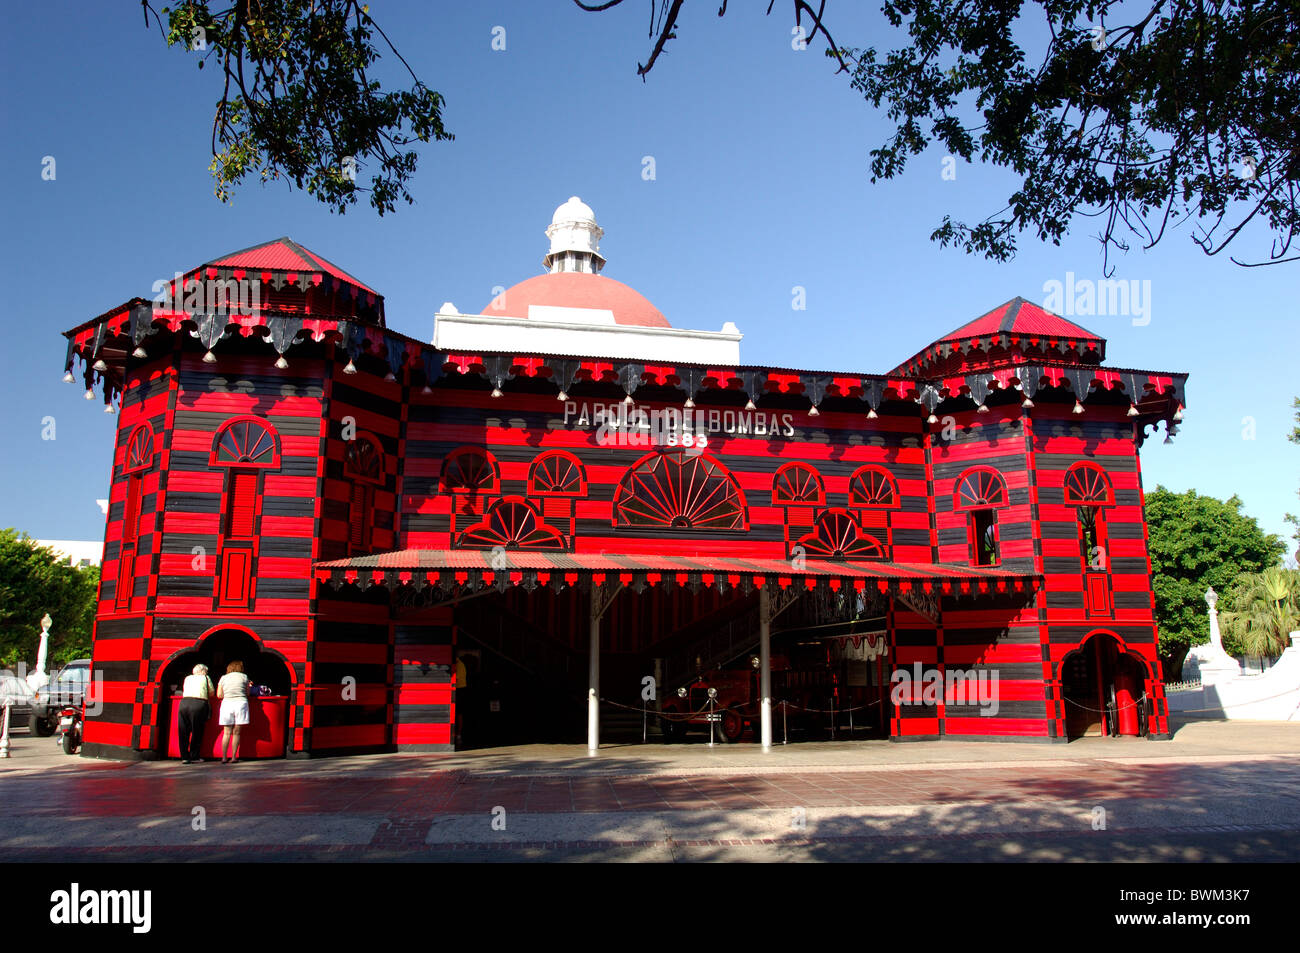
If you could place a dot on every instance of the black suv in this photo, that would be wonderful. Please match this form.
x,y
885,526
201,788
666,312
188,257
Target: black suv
x,y
66,688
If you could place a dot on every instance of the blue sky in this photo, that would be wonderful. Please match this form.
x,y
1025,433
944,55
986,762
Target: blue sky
x,y
761,185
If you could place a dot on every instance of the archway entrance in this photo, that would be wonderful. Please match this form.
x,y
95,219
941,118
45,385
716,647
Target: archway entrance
x,y
1102,687
217,650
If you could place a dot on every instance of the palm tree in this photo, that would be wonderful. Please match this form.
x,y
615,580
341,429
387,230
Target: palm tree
x,y
1263,610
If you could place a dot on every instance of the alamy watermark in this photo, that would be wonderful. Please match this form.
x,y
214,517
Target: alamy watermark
x,y
1086,297
953,687
58,694
628,425
208,296
77,905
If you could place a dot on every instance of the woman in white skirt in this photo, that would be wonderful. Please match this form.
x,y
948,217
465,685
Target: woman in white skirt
x,y
233,692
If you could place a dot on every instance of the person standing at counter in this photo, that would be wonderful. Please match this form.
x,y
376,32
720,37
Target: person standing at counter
x,y
233,692
194,713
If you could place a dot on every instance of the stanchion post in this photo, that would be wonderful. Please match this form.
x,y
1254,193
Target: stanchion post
x,y
593,676
765,667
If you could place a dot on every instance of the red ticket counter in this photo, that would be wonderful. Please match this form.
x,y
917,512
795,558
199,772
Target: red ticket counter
x,y
262,737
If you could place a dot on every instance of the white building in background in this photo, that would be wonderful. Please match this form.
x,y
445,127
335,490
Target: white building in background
x,y
76,552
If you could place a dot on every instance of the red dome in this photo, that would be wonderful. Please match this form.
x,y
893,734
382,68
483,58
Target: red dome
x,y
572,289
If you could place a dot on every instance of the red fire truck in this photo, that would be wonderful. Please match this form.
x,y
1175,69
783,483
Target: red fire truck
x,y
810,690
732,706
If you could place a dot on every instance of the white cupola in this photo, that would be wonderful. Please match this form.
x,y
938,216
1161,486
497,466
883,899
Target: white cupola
x,y
575,239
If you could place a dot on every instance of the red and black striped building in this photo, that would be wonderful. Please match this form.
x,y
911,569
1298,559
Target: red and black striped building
x,y
413,545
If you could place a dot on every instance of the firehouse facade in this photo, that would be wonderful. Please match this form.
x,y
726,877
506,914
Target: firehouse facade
x,y
564,516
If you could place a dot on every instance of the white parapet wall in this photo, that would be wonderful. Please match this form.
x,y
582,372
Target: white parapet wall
x,y
1269,696
584,332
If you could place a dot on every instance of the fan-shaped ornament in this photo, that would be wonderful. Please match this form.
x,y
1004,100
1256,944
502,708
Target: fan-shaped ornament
x,y
837,536
1086,485
468,471
139,450
679,491
797,484
872,486
980,488
246,442
556,474
512,524
364,460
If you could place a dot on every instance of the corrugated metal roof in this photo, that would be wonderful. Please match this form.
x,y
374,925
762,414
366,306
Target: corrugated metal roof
x,y
1019,316
519,560
284,254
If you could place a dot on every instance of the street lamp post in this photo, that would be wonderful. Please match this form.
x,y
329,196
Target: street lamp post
x,y
39,679
1216,665
1216,639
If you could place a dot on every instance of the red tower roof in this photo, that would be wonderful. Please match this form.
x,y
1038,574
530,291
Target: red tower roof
x,y
571,289
1009,334
1023,318
284,254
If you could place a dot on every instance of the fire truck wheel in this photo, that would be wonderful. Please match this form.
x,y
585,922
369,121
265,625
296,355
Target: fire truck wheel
x,y
732,725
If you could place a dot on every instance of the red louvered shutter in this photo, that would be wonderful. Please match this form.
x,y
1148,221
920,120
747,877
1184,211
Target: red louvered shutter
x,y
800,516
125,576
241,505
126,553
131,514
874,519
358,517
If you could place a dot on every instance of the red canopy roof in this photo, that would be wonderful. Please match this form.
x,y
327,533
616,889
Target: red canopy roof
x,y
470,567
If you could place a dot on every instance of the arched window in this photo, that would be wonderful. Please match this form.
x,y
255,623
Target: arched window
x,y
557,473
1088,490
363,459
692,492
246,442
979,493
838,536
872,486
798,484
363,464
470,470
556,478
979,487
1087,484
139,457
139,449
512,524
244,446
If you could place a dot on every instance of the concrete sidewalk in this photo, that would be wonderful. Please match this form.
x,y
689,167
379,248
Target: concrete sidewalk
x,y
1216,792
1197,742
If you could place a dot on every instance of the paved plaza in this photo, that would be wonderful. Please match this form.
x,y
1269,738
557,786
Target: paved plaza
x,y
1215,792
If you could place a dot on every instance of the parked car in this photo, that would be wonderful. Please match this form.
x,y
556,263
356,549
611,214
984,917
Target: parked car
x,y
16,691
67,688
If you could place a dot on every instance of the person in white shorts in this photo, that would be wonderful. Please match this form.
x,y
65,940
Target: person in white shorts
x,y
233,692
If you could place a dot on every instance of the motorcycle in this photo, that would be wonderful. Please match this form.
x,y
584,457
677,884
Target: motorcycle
x,y
69,732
